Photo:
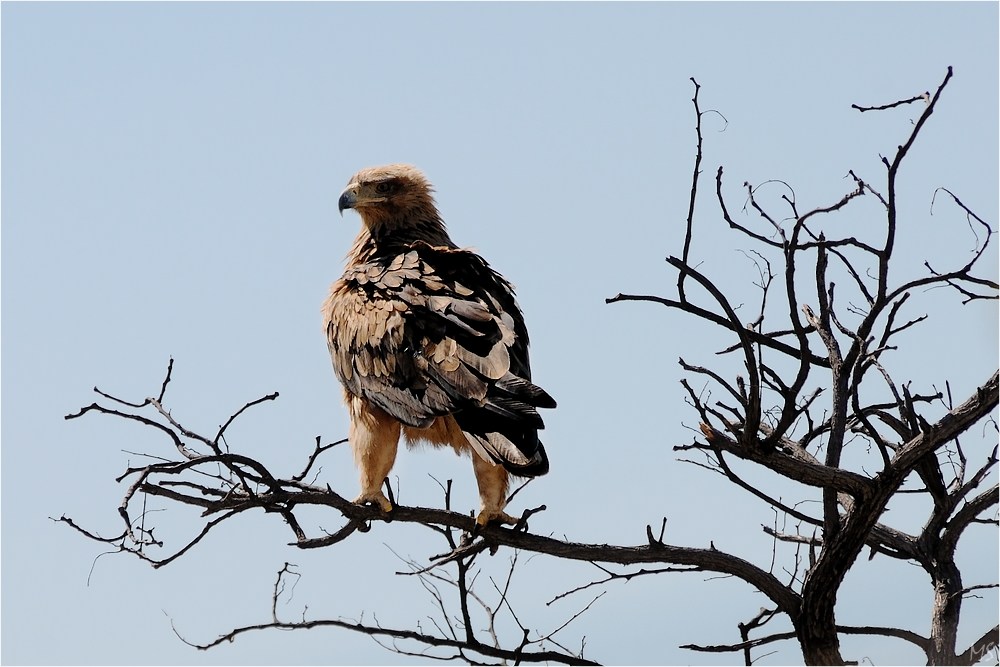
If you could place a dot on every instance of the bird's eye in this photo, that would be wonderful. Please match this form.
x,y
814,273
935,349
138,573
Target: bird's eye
x,y
383,187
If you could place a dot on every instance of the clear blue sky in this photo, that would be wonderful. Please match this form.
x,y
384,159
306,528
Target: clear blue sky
x,y
169,178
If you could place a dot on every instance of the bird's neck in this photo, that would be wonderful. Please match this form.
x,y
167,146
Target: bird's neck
x,y
387,237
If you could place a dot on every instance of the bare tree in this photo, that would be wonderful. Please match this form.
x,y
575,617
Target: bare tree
x,y
813,402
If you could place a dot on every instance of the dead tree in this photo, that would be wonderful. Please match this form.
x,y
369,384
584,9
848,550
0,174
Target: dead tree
x,y
847,353
814,402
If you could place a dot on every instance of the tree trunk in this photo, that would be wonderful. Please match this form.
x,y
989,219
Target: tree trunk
x,y
947,610
817,626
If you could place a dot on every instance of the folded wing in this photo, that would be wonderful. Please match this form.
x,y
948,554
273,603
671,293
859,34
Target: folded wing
x,y
430,331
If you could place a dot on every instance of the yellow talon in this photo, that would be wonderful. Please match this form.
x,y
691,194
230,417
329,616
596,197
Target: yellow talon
x,y
377,498
502,517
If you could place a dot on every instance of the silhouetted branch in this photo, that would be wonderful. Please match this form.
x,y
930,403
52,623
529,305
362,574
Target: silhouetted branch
x,y
694,192
925,97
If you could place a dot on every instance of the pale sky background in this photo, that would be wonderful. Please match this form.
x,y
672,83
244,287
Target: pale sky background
x,y
170,175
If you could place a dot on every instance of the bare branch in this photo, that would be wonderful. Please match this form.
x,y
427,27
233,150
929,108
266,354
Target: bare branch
x,y
422,638
694,193
985,644
925,97
767,340
312,457
166,380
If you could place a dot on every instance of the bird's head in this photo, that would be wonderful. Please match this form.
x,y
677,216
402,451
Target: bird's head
x,y
389,197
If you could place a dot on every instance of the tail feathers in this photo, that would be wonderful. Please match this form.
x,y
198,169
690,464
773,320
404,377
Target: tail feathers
x,y
505,429
537,466
500,449
515,411
525,391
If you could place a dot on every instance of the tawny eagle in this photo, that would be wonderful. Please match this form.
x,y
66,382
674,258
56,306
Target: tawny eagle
x,y
429,342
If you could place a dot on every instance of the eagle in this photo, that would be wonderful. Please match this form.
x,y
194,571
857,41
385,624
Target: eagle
x,y
429,343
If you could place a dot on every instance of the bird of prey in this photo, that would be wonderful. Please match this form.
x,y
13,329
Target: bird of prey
x,y
429,343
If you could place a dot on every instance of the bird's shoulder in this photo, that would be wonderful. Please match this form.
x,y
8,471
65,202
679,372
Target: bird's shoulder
x,y
420,276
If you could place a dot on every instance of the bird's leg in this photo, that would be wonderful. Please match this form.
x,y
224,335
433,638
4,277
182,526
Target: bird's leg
x,y
374,437
493,482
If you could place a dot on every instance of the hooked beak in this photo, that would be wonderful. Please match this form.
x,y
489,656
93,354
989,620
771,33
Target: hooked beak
x,y
348,198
